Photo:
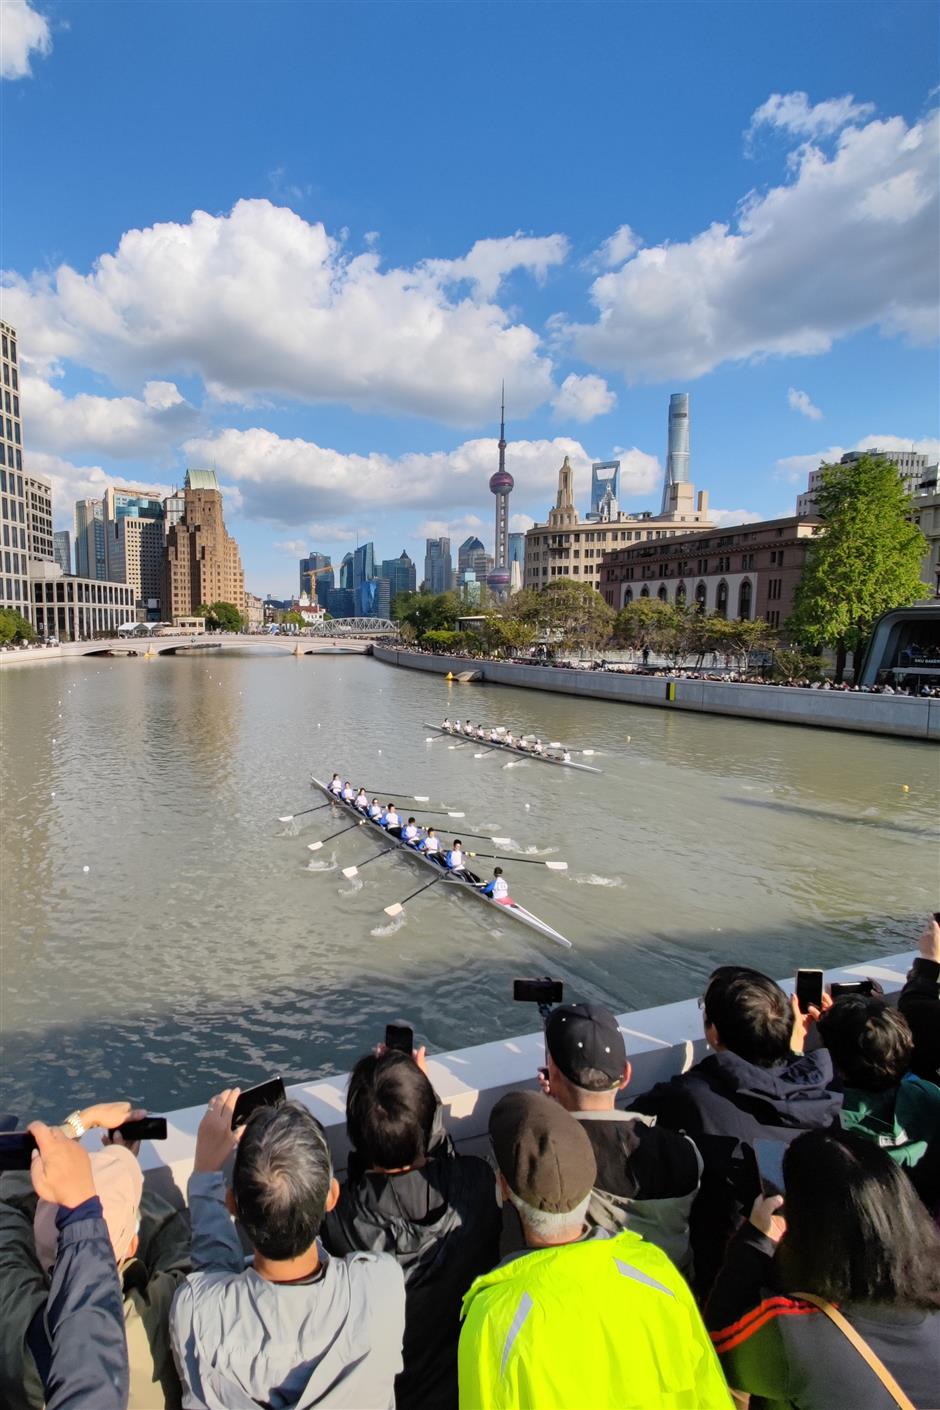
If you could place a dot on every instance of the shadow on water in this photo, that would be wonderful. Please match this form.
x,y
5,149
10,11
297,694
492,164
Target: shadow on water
x,y
190,1051
828,816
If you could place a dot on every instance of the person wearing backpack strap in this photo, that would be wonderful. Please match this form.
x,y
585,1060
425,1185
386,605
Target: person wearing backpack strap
x,y
829,1296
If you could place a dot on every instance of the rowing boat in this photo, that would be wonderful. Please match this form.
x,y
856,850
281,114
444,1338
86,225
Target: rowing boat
x,y
511,749
513,909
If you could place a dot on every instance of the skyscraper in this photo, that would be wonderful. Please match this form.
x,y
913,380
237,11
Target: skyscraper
x,y
134,537
316,576
468,554
677,458
438,569
202,563
14,584
346,573
400,575
89,539
501,484
605,487
363,564
38,518
62,549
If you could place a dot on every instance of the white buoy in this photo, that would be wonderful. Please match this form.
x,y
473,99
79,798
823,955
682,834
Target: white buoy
x,y
86,868
52,794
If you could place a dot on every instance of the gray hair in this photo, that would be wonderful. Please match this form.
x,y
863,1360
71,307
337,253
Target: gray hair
x,y
281,1179
546,1224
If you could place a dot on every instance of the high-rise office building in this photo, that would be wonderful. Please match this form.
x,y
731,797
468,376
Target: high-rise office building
x,y
14,581
918,476
438,569
346,573
677,457
38,518
467,553
62,549
89,539
605,488
174,507
202,563
134,540
400,574
516,548
316,576
341,602
363,564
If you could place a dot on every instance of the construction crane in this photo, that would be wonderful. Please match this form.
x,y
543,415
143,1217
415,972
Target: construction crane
x,y
311,573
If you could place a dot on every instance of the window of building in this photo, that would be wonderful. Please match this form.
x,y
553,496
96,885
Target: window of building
x,y
16,380
721,599
700,595
663,595
744,601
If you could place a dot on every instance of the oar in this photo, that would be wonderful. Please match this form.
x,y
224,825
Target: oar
x,y
350,872
396,908
530,861
485,837
289,817
400,793
484,753
315,846
425,812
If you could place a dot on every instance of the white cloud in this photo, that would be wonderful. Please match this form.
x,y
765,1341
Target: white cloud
x,y
107,426
288,481
640,473
467,526
803,403
615,249
23,32
725,517
793,113
518,523
796,468
260,302
489,261
337,533
293,548
71,482
582,398
848,242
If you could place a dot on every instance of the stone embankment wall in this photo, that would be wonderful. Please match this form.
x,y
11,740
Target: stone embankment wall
x,y
827,709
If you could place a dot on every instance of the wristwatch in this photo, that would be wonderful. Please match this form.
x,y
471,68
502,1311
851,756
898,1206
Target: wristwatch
x,y
74,1126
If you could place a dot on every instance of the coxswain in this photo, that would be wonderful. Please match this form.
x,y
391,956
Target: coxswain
x,y
375,810
430,844
410,832
391,820
335,785
348,793
361,800
498,888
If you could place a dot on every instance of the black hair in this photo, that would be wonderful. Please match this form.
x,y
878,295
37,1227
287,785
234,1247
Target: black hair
x,y
281,1179
390,1108
411,820
457,842
751,1013
856,1230
870,1042
497,871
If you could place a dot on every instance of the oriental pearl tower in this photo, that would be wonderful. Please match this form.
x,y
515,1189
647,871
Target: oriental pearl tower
x,y
501,485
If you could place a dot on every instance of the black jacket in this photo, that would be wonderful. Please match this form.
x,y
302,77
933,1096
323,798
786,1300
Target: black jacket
x,y
441,1223
919,1002
790,1354
726,1103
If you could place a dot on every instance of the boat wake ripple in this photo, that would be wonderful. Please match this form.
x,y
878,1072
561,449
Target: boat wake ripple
x,y
381,930
331,865
355,885
538,851
594,880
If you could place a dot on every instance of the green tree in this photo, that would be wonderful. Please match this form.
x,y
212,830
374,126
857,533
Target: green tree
x,y
866,562
14,626
222,616
291,619
441,640
573,613
427,612
644,624
741,636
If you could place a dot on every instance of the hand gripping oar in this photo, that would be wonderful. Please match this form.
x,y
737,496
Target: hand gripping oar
x,y
315,846
289,817
350,872
395,909
529,861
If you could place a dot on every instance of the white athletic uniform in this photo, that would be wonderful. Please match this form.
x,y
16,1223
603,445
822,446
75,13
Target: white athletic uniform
x,y
335,786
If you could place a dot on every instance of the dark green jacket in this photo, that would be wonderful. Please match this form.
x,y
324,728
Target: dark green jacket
x,y
902,1120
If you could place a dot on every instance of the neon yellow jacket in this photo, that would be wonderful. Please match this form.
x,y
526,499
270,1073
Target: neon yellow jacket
x,y
605,1323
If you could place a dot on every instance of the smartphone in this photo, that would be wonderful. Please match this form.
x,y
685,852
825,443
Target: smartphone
x,y
538,991
399,1038
16,1150
146,1128
270,1093
809,988
770,1165
854,986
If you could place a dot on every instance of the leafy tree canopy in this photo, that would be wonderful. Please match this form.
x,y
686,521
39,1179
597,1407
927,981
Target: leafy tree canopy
x,y
225,616
426,612
14,626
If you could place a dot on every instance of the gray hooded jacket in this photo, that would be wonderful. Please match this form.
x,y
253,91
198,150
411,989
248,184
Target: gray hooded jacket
x,y
241,1342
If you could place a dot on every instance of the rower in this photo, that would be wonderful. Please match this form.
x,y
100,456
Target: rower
x,y
498,888
509,739
375,810
447,724
468,729
410,832
430,845
361,800
565,755
335,785
494,735
348,792
537,747
455,861
391,820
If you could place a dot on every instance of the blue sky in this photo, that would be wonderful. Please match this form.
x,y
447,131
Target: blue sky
x,y
304,243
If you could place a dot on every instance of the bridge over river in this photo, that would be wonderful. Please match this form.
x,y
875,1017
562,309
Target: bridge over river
x,y
352,636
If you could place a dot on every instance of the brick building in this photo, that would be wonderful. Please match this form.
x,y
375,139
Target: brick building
x,y
749,570
202,564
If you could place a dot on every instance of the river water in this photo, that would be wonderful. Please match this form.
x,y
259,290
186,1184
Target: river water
x,y
163,935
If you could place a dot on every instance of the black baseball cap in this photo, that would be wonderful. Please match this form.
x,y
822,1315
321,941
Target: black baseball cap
x,y
585,1036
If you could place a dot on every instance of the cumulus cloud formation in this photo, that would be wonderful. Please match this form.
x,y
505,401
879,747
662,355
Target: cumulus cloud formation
x,y
795,114
23,33
615,249
724,518
285,481
71,482
260,303
583,398
293,548
795,468
803,403
640,473
849,241
124,427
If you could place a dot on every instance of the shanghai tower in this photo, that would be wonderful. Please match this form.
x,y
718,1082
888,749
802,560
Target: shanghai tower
x,y
677,459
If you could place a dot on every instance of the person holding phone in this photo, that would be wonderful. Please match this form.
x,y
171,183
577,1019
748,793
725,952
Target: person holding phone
x,y
151,1247
407,1193
855,1247
919,1002
296,1326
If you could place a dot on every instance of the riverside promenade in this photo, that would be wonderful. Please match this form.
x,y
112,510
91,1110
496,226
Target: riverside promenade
x,y
903,716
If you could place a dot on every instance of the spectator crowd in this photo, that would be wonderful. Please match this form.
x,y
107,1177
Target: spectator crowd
x,y
762,1227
